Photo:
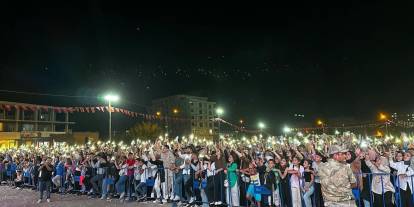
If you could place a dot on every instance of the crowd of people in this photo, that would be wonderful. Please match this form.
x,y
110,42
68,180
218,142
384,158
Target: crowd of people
x,y
339,174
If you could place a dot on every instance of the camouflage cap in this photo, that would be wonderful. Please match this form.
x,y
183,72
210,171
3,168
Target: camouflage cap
x,y
337,149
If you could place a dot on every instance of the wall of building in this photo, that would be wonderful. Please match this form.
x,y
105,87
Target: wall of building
x,y
195,115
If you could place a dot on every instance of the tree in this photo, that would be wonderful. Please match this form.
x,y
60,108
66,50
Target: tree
x,y
144,131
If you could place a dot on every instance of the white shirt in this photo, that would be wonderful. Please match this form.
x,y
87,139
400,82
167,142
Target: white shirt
x,y
380,182
403,169
124,170
211,172
294,179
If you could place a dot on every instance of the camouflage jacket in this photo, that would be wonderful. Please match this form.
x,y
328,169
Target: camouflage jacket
x,y
336,179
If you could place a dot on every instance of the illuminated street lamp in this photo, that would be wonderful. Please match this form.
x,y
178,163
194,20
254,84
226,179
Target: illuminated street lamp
x,y
320,123
383,117
261,125
110,98
287,129
219,112
175,111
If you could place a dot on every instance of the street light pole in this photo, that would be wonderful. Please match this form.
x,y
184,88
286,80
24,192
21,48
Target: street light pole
x,y
386,127
322,124
323,129
110,120
219,111
110,98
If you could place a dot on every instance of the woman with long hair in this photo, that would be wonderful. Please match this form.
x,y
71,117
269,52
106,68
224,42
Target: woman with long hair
x,y
309,179
284,184
232,191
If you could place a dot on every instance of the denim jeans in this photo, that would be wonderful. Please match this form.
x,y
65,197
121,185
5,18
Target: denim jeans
x,y
366,203
130,185
307,197
120,185
105,185
204,198
141,189
95,181
44,185
178,184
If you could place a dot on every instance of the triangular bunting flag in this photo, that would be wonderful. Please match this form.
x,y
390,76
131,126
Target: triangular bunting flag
x,y
24,108
33,108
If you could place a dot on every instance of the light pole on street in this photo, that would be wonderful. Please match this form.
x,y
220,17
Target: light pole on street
x,y
219,112
110,98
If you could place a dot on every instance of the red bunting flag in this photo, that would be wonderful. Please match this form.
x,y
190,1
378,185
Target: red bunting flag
x,y
116,110
57,109
33,108
65,110
8,107
23,107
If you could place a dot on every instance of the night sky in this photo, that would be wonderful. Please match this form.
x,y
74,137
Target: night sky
x,y
346,61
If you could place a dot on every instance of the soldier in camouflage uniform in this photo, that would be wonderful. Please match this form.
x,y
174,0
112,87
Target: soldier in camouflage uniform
x,y
337,179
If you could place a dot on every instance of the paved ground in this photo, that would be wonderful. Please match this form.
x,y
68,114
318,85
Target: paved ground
x,y
24,197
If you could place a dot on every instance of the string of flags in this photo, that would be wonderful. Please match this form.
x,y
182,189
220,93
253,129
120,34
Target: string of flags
x,y
87,109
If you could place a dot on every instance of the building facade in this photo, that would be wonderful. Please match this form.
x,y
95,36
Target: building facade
x,y
22,123
182,115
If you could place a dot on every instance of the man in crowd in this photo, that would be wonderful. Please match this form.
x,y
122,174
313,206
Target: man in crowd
x,y
337,179
45,175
